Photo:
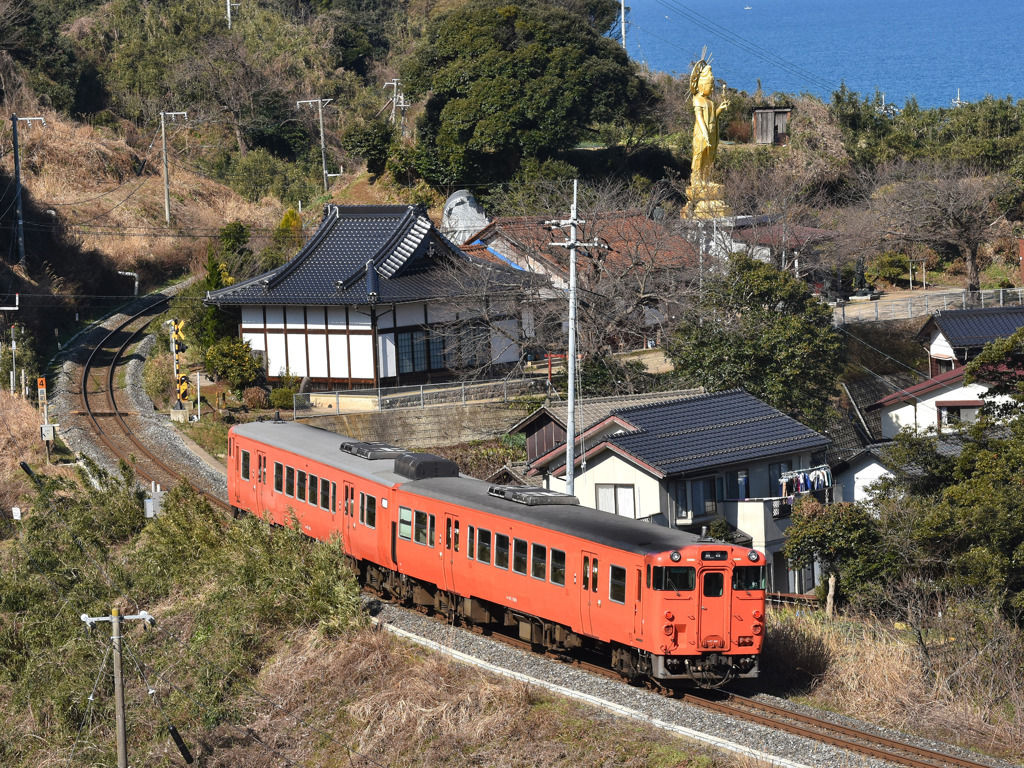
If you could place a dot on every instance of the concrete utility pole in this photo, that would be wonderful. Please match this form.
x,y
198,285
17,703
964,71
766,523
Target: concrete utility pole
x,y
230,6
398,104
17,183
572,244
622,5
115,642
163,138
320,104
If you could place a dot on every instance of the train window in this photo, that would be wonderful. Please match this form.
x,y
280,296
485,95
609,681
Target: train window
x,y
404,523
714,584
278,476
368,510
456,535
648,575
617,584
245,465
748,577
430,536
539,561
325,494
501,550
674,578
302,486
472,538
586,573
289,481
519,556
593,575
483,546
448,534
314,484
558,567
420,527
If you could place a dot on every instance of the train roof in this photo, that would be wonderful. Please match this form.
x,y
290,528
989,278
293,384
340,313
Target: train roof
x,y
600,527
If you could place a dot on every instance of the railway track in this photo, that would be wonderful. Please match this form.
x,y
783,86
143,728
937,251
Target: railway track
x,y
869,744
112,419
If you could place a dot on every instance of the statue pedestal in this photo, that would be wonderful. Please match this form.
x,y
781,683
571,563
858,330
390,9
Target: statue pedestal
x,y
707,201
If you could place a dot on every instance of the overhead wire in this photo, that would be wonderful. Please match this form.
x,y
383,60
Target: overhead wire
x,y
88,708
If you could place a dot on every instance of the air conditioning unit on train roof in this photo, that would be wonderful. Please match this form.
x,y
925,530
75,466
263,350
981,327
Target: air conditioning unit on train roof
x,y
372,450
421,466
531,497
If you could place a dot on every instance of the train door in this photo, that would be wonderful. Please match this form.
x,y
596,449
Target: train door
x,y
260,485
713,622
590,600
348,515
638,607
452,548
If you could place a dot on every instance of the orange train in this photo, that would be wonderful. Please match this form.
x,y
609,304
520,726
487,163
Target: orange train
x,y
655,602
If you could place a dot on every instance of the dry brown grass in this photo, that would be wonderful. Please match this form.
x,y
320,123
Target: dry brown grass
x,y
963,686
19,441
401,706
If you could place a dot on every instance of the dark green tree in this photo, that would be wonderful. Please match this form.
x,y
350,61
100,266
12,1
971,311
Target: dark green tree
x,y
509,81
755,327
840,537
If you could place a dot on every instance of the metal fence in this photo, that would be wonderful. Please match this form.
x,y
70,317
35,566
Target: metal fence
x,y
420,396
923,304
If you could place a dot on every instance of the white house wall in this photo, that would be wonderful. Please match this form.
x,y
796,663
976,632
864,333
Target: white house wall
x,y
504,348
862,472
924,413
611,469
362,356
940,348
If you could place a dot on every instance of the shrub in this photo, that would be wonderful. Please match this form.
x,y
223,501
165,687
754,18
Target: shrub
x,y
282,397
232,360
890,267
158,377
255,397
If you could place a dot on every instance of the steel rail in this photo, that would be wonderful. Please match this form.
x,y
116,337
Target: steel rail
x,y
126,433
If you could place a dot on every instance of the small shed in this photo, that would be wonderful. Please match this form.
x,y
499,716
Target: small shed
x,y
771,125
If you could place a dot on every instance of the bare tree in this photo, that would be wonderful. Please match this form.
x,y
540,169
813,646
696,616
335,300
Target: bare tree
x,y
947,207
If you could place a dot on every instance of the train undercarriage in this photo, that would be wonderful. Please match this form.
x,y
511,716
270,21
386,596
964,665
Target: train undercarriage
x,y
634,665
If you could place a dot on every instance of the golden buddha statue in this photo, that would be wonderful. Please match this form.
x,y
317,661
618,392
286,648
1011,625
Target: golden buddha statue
x,y
705,195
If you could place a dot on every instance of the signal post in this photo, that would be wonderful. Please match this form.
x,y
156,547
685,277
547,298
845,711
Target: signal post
x,y
180,409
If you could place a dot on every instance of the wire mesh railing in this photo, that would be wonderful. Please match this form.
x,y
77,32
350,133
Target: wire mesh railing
x,y
417,396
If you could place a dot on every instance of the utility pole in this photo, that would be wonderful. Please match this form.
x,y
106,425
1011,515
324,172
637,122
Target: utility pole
x,y
230,6
115,642
622,5
17,183
320,104
572,244
163,137
398,103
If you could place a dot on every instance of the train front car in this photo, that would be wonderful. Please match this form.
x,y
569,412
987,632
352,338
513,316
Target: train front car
x,y
706,612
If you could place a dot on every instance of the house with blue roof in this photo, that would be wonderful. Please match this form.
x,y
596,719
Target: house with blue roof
x,y
378,296
689,461
954,337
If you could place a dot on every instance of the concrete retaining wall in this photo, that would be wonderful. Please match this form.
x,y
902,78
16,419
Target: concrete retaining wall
x,y
420,428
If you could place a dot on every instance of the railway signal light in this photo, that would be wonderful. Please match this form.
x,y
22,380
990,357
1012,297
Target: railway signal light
x,y
183,388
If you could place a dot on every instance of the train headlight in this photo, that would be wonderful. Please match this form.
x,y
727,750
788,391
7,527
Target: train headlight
x,y
675,557
758,614
669,616
752,555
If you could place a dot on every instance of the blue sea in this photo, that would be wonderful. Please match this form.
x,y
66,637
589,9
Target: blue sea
x,y
926,49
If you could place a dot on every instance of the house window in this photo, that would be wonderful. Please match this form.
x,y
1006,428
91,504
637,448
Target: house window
x,y
472,348
419,350
775,473
949,415
676,492
704,496
737,484
617,499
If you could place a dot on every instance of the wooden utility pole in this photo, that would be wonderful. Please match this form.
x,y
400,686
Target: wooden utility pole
x,y
320,104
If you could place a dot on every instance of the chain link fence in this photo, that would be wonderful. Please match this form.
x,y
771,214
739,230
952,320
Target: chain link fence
x,y
924,304
420,396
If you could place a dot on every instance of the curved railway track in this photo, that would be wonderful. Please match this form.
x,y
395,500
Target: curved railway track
x,y
113,421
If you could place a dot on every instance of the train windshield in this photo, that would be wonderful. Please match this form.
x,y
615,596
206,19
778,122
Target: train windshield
x,y
748,577
674,578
